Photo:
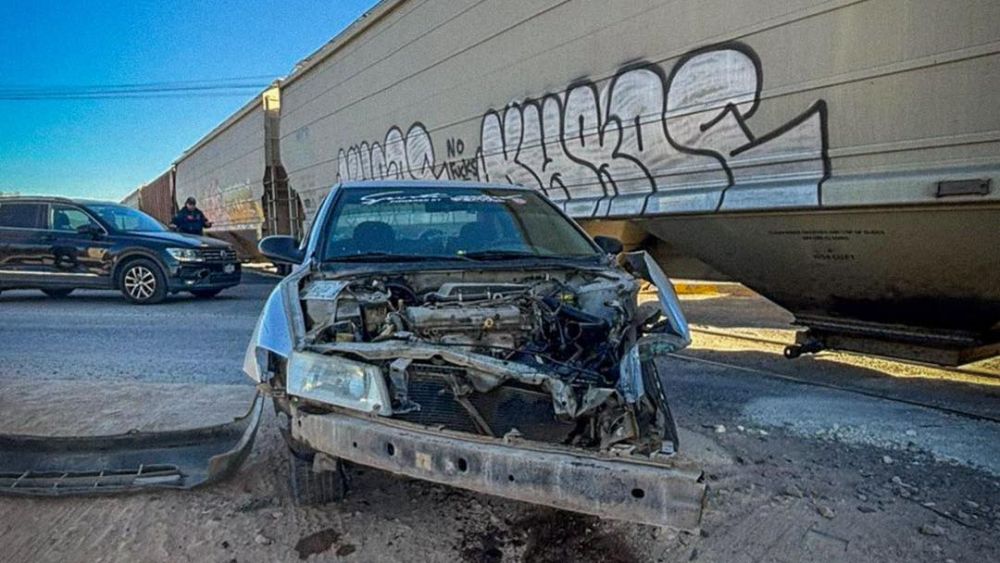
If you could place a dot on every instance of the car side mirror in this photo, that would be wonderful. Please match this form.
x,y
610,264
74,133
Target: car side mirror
x,y
90,229
281,249
611,245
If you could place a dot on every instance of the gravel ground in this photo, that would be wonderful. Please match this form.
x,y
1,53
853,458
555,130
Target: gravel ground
x,y
796,472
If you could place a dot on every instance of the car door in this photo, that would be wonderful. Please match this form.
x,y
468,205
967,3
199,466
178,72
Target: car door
x,y
78,247
23,248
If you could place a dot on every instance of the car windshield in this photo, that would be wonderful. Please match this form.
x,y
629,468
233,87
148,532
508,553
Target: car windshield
x,y
126,219
467,223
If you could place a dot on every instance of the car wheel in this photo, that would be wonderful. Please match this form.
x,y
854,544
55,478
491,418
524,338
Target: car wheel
x,y
142,282
310,487
651,380
205,293
57,293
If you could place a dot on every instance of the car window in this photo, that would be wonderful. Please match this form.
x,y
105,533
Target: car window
x,y
66,218
448,222
125,219
23,215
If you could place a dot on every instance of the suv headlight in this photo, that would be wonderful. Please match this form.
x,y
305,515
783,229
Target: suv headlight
x,y
184,254
338,381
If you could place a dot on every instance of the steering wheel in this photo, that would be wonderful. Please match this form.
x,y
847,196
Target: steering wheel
x,y
431,234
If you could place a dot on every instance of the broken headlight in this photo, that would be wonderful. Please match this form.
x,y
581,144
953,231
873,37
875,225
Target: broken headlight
x,y
338,381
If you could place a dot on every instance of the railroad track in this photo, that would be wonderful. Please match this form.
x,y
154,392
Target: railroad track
x,y
771,374
770,341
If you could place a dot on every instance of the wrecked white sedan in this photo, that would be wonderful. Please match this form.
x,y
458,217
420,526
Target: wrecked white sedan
x,y
475,336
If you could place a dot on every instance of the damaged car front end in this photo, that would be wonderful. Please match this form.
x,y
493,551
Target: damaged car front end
x,y
472,335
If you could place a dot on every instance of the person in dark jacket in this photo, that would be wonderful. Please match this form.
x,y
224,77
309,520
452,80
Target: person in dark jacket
x,y
190,219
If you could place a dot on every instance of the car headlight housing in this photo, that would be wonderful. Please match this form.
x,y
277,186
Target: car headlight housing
x,y
184,254
338,381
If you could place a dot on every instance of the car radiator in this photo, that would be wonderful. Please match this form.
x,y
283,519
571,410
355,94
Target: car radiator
x,y
504,408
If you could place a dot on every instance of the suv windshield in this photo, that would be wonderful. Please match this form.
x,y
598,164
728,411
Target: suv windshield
x,y
385,224
125,219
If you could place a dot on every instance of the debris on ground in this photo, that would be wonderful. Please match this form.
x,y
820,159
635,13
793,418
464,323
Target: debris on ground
x,y
261,539
792,491
317,542
932,530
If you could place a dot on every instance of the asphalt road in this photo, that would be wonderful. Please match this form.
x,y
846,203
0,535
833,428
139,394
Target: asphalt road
x,y
98,335
798,471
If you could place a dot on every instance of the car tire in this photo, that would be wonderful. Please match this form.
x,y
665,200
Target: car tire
x,y
205,293
652,383
310,488
142,282
58,293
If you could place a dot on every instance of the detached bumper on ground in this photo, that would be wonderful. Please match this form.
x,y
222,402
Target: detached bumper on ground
x,y
179,459
666,494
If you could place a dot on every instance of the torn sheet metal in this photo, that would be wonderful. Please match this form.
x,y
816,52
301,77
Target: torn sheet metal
x,y
643,265
630,376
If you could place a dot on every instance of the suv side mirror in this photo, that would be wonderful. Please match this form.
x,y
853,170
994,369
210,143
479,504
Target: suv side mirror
x,y
281,249
611,245
90,229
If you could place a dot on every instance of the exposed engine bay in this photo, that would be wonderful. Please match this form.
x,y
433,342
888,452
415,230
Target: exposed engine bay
x,y
563,356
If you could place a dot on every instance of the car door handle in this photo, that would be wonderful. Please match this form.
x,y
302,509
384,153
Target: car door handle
x,y
48,238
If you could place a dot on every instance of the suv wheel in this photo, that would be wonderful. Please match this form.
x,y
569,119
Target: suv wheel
x,y
58,292
142,282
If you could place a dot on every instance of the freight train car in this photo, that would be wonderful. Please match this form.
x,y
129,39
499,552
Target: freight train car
x,y
155,198
132,199
235,175
839,157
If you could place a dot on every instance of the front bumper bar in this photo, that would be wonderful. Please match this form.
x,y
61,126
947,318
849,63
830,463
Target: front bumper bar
x,y
204,275
609,487
176,459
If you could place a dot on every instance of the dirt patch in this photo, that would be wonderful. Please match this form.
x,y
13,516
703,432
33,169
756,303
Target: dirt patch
x,y
555,536
548,536
318,542
58,407
484,547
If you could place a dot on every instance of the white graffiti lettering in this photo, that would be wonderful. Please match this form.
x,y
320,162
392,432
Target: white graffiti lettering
x,y
644,144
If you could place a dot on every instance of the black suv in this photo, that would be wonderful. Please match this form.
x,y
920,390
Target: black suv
x,y
58,245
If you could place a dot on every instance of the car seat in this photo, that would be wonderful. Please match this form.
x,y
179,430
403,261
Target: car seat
x,y
374,236
60,222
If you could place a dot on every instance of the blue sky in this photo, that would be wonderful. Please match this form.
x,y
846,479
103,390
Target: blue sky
x,y
104,148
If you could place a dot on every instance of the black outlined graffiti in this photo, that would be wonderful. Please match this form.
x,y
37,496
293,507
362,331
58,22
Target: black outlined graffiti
x,y
647,143
711,93
399,156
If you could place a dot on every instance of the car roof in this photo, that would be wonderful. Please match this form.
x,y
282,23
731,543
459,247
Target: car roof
x,y
432,184
54,199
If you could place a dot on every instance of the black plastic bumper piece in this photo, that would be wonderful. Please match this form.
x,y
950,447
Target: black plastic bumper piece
x,y
176,459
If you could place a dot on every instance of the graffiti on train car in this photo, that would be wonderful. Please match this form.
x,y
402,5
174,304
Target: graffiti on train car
x,y
649,142
232,206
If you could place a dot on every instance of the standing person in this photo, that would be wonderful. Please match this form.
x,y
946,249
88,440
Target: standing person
x,y
190,219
